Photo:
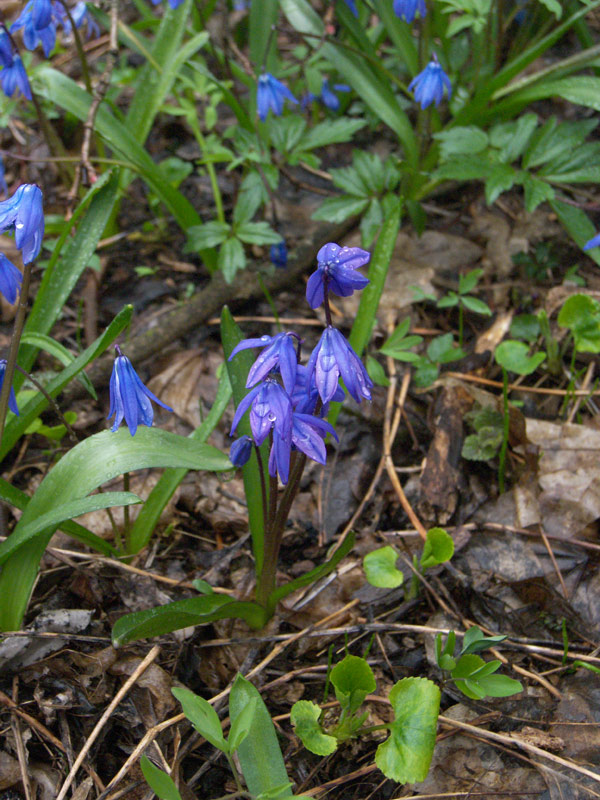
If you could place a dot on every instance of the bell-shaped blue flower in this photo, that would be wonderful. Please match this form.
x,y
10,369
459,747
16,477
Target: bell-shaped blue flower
x,y
308,435
429,85
279,255
10,279
271,95
39,25
337,269
82,17
6,49
352,6
14,78
328,96
279,353
332,358
270,409
12,400
25,213
594,242
240,451
408,9
129,398
305,394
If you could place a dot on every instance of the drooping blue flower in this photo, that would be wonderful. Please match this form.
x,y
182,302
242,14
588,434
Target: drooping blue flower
x,y
308,435
336,268
39,25
428,86
13,77
408,9
12,400
279,255
25,213
328,96
10,279
594,242
270,409
279,353
352,6
332,358
6,49
271,95
82,17
305,394
240,451
129,398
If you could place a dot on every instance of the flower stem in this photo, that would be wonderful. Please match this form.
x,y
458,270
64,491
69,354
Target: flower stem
x,y
11,361
505,431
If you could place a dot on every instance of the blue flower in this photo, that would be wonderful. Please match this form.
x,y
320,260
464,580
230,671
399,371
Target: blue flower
x,y
595,242
129,398
13,77
352,6
428,85
270,409
279,352
333,357
271,95
336,270
308,435
6,49
81,16
279,255
24,211
305,394
10,279
12,400
328,98
39,24
240,451
408,9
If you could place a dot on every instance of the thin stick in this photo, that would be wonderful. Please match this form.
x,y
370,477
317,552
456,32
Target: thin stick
x,y
104,718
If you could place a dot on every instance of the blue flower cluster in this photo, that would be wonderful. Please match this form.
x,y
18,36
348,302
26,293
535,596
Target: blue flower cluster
x,y
327,97
287,400
40,20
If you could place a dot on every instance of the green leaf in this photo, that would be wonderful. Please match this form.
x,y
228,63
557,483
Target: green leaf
x,y
348,180
60,352
466,283
257,233
161,784
553,6
305,719
93,462
578,225
580,89
240,727
259,754
462,140
475,305
376,372
553,140
468,665
333,131
512,138
371,222
514,357
202,716
64,92
16,426
184,614
499,685
536,191
526,327
581,314
232,258
406,755
380,568
501,178
474,641
56,516
352,680
302,17
337,209
210,234
446,662
438,548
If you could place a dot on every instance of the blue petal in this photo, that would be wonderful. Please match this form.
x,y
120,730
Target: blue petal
x,y
10,279
595,242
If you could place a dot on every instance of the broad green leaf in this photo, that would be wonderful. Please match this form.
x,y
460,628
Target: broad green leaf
x,y
16,426
464,168
580,89
259,754
581,314
468,665
257,233
406,755
210,234
513,137
56,516
161,784
93,462
65,92
463,140
501,178
376,372
18,499
302,17
202,716
474,641
475,305
232,258
263,16
514,357
352,680
499,685
438,548
240,727
348,180
147,519
466,283
446,662
337,209
184,614
371,222
536,191
305,719
334,131
553,140
526,327
380,568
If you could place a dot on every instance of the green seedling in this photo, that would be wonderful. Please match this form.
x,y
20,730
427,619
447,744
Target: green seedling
x,y
440,350
487,439
463,299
